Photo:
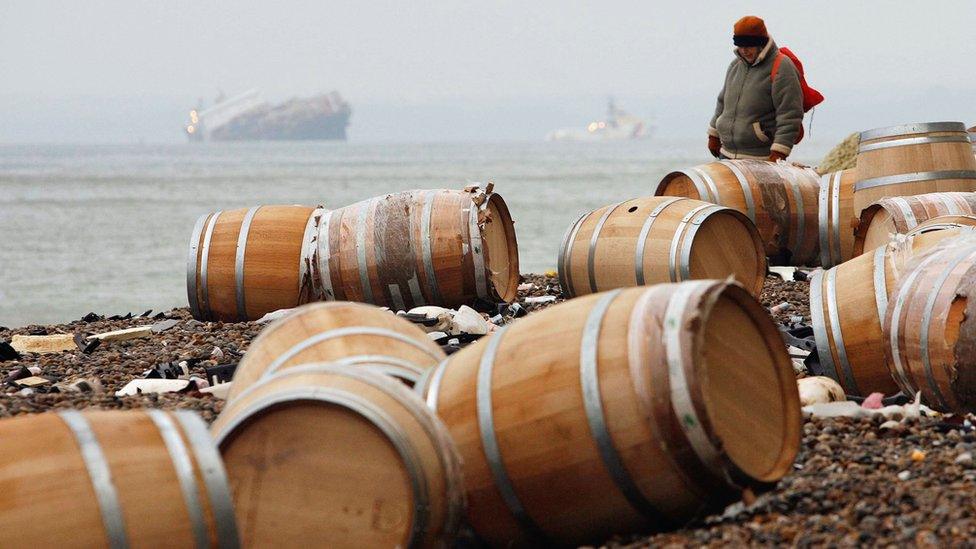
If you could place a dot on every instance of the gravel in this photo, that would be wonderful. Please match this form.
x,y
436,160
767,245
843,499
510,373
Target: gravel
x,y
854,482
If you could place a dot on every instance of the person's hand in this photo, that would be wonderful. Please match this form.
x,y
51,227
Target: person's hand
x,y
714,145
776,155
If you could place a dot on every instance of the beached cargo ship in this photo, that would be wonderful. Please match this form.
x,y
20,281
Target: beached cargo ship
x,y
248,117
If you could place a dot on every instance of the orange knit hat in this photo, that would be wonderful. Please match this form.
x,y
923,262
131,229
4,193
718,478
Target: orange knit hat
x,y
750,31
750,25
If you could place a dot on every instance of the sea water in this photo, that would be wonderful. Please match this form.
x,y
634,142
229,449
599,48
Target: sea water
x,y
105,228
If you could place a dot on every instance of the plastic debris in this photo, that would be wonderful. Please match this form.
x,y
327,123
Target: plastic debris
x,y
122,335
818,390
137,386
873,401
81,385
780,308
216,353
539,299
526,286
220,390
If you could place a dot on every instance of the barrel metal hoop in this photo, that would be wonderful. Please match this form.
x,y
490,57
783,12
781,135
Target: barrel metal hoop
x,y
909,129
819,325
323,257
642,239
193,255
214,477
343,332
594,239
880,284
909,141
746,189
364,212
913,178
712,189
703,193
205,311
566,256
489,439
837,330
183,466
791,176
564,251
477,253
593,405
371,413
904,289
678,233
239,262
826,231
684,265
306,260
837,252
933,293
101,477
388,365
433,392
425,238
906,209
681,400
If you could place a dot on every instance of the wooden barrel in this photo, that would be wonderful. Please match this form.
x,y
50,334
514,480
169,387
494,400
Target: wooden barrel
x,y
837,221
847,306
901,214
113,479
930,328
436,247
333,456
913,159
643,408
243,264
338,332
659,239
780,198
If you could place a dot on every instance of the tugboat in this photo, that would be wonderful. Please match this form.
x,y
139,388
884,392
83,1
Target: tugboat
x,y
619,125
247,117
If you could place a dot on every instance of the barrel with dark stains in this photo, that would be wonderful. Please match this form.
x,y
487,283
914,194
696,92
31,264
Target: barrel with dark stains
x,y
425,247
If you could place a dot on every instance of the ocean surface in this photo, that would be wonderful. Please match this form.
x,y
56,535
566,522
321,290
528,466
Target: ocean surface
x,y
105,228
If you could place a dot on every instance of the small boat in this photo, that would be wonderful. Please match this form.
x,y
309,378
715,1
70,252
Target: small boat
x,y
619,125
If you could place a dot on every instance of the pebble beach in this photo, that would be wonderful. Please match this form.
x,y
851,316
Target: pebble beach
x,y
856,481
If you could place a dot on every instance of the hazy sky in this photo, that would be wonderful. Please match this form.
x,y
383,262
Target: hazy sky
x,y
76,61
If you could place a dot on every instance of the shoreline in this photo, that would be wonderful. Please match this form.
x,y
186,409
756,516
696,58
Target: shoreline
x,y
847,484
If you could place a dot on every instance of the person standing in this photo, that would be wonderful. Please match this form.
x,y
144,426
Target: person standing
x,y
757,116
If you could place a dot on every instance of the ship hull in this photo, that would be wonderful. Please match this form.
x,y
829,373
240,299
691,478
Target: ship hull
x,y
318,127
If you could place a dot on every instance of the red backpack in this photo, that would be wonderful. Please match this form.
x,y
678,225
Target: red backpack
x,y
811,97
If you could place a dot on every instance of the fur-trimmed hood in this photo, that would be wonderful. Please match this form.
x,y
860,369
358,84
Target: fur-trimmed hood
x,y
769,50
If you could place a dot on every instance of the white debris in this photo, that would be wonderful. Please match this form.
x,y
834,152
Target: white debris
x,y
818,390
526,286
137,386
274,315
220,390
468,321
540,299
904,475
853,409
216,354
786,273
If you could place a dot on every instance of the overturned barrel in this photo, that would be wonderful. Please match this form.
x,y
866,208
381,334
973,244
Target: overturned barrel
x,y
644,407
847,306
335,456
930,328
837,221
113,479
353,334
913,159
900,214
780,198
243,264
659,239
437,247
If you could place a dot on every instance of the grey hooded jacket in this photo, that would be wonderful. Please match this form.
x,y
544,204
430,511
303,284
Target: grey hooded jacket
x,y
754,116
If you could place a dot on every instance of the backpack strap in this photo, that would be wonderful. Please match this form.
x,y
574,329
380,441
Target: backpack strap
x,y
772,73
